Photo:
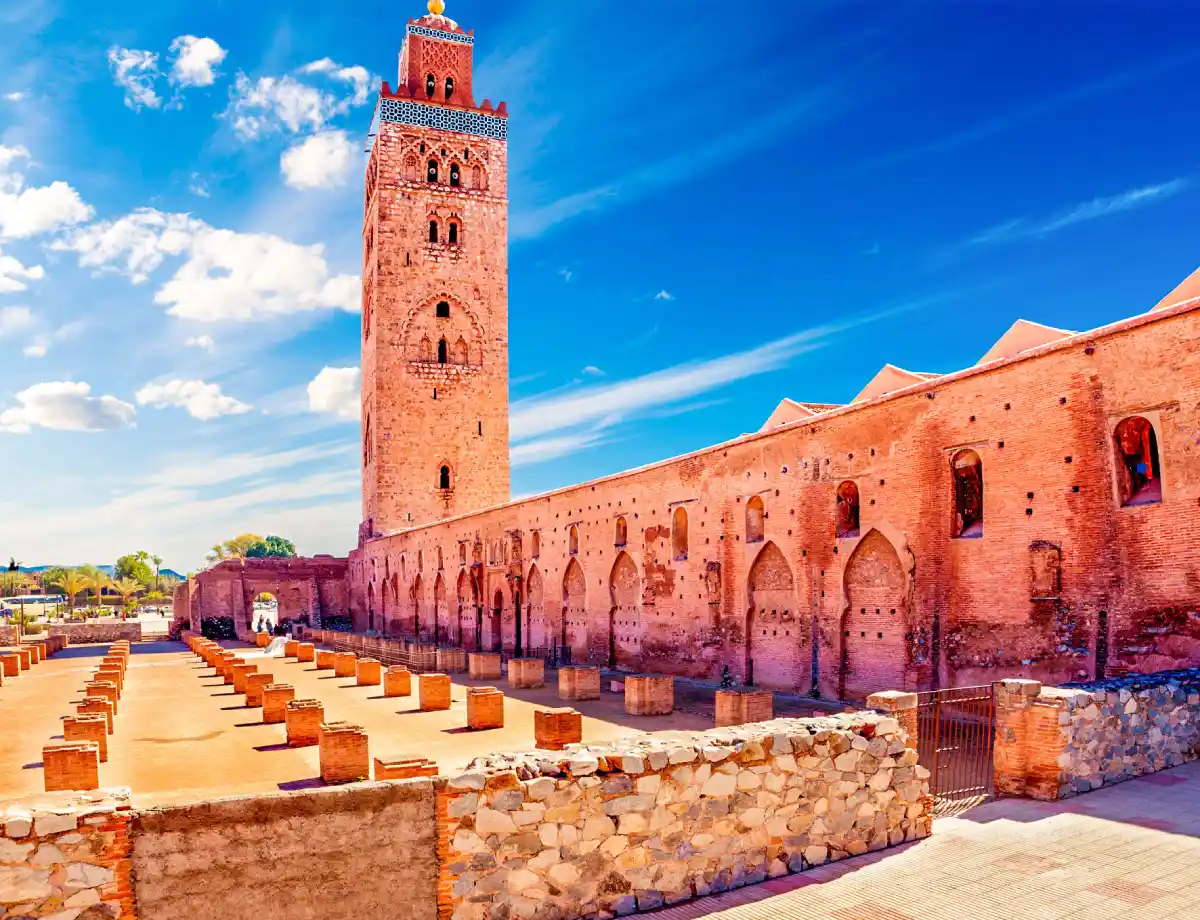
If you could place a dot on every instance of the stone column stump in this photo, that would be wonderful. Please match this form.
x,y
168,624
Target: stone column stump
x,y
579,682
485,708
240,673
649,694
901,706
483,666
11,663
291,648
326,659
433,691
97,704
262,639
302,719
275,698
554,729
452,660
255,684
397,681
23,657
103,688
344,757
90,727
35,655
71,765
742,705
305,651
404,767
526,673
343,664
113,676
368,672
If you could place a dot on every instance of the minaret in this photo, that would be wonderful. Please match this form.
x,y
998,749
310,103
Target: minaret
x,y
435,289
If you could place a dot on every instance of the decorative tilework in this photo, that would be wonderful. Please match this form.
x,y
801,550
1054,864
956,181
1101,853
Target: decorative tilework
x,y
440,35
402,111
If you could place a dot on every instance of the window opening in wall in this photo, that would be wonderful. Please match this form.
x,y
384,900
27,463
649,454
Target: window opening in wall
x,y
453,238
573,540
481,428
422,147
433,231
432,173
443,309
847,509
455,178
536,548
679,534
449,87
622,533
444,478
430,85
967,470
755,516
1139,481
443,351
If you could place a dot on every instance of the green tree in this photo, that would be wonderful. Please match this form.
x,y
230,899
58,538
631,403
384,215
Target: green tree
x,y
127,588
12,583
71,583
233,549
272,548
134,565
157,560
97,581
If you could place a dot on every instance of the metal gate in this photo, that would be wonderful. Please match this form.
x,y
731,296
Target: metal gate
x,y
955,731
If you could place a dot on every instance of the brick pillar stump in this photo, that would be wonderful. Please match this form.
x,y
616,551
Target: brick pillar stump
x,y
71,765
423,656
742,705
302,721
224,662
35,654
326,659
579,682
433,691
368,672
526,673
254,688
452,660
23,657
113,676
306,651
103,688
10,663
240,673
262,640
291,648
90,727
97,704
483,666
275,698
43,649
397,681
649,694
114,658
404,767
344,757
343,664
901,706
554,729
485,708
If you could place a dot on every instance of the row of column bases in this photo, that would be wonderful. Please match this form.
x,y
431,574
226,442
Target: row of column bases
x,y
344,751
74,762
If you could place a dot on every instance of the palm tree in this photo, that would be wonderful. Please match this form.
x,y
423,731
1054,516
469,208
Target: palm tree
x,y
11,582
157,560
127,588
72,583
98,582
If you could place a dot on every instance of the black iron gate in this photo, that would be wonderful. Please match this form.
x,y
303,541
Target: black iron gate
x,y
955,731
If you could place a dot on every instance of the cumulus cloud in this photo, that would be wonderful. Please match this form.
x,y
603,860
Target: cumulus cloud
x,y
336,391
321,161
135,72
26,212
204,401
65,406
225,275
195,60
16,96
204,342
14,274
286,103
36,349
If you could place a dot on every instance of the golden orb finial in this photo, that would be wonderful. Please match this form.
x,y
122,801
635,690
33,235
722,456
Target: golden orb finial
x,y
437,7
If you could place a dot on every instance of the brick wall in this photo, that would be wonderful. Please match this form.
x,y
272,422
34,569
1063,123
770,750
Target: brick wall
x,y
360,852
99,631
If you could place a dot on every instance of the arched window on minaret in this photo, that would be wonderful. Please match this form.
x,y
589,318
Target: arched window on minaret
x,y
443,352
430,85
453,237
432,174
443,310
455,178
433,231
449,87
444,478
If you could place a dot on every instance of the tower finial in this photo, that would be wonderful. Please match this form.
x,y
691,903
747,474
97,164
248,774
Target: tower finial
x,y
437,7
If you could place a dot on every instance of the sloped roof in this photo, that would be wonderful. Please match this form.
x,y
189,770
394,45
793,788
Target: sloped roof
x,y
1022,336
1188,289
889,379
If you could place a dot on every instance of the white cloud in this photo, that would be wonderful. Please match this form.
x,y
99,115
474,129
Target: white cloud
x,y
593,371
664,294
13,274
65,406
39,344
204,342
16,96
36,349
204,401
195,61
26,212
336,390
14,319
198,187
271,104
135,72
226,275
321,161
540,450
8,156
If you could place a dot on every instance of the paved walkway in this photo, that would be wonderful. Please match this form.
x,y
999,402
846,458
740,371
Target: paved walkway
x,y
1130,851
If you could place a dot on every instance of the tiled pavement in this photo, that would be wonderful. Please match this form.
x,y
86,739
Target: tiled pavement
x,y
1130,851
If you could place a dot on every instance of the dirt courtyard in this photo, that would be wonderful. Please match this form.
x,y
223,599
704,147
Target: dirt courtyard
x,y
182,735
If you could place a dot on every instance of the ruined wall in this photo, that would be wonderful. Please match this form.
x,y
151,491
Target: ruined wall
x,y
98,631
9,635
642,822
360,852
307,588
66,855
1063,581
1056,742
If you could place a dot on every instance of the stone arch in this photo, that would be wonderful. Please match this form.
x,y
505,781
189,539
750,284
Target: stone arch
x,y
416,602
466,608
774,628
573,540
621,532
847,509
574,618
966,469
441,615
423,323
540,632
755,519
874,621
494,638
1136,454
370,606
679,534
393,606
625,614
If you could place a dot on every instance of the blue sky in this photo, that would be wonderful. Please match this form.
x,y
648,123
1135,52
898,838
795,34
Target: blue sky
x,y
712,206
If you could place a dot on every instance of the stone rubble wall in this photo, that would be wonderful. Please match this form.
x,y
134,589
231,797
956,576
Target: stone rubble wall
x,y
1056,742
652,820
99,631
65,856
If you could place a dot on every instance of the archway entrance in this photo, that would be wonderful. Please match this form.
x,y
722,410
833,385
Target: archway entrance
x,y
624,616
264,615
535,609
773,631
874,653
497,621
574,624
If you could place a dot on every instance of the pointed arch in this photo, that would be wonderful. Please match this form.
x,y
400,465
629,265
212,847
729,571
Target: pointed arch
x,y
874,622
574,618
847,509
1135,448
625,614
774,633
416,602
621,532
967,470
755,519
679,534
440,612
539,631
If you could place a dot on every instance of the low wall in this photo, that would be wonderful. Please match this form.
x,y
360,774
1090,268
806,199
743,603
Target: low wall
x,y
361,852
66,855
419,656
1056,742
9,635
649,820
99,631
